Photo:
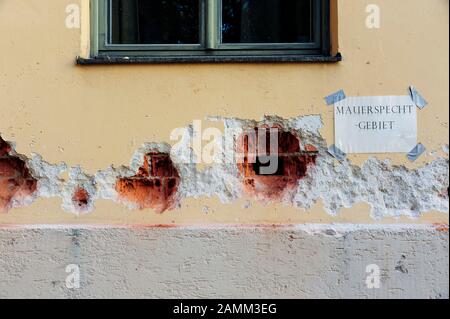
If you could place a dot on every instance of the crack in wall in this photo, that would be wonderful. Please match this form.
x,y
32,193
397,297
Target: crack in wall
x,y
391,190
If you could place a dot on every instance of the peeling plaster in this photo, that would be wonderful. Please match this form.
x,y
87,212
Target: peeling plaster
x,y
78,181
391,190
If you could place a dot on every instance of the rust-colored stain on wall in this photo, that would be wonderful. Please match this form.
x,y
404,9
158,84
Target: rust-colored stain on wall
x,y
292,163
16,182
154,186
441,227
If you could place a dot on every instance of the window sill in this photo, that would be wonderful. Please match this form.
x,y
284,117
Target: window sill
x,y
99,60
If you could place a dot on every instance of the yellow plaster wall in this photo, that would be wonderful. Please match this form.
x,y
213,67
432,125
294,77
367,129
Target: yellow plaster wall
x,y
99,115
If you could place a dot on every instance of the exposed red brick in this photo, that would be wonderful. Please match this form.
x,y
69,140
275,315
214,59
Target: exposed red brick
x,y
81,199
311,148
16,181
154,186
292,164
5,148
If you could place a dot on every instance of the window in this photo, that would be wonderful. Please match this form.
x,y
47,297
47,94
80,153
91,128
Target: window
x,y
210,30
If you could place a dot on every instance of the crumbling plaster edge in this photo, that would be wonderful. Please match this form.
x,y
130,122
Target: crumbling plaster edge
x,y
195,183
333,229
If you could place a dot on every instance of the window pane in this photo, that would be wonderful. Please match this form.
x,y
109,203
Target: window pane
x,y
267,21
155,21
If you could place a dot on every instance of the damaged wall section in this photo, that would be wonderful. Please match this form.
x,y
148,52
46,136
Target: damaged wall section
x,y
16,183
160,176
291,163
154,186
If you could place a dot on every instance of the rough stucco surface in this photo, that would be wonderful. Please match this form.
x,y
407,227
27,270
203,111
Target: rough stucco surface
x,y
298,262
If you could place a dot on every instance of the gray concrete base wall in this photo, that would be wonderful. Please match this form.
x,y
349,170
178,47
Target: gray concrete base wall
x,y
295,262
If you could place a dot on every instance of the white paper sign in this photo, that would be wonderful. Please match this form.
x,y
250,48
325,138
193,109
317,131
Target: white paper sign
x,y
375,124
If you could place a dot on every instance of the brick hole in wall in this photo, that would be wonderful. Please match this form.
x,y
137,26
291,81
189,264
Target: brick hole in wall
x,y
154,186
293,162
81,199
16,182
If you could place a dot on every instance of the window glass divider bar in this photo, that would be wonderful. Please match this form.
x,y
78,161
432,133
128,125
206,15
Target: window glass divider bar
x,y
212,24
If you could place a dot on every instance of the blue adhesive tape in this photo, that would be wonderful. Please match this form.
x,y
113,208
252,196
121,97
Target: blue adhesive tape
x,y
417,98
416,152
336,152
335,97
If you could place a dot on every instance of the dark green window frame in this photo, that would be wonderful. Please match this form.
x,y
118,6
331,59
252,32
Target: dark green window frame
x,y
210,48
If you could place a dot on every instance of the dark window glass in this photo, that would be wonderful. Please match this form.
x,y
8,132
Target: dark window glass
x,y
267,21
155,21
